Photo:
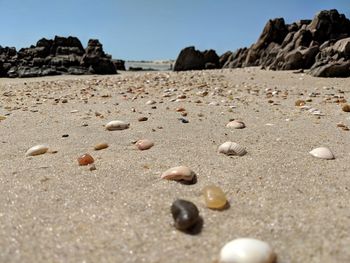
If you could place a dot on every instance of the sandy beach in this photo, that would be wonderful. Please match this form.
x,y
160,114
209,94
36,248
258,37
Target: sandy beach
x,y
53,210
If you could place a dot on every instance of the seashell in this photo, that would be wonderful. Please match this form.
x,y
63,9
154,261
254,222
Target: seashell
x,y
100,146
300,103
322,153
232,148
214,197
151,102
179,173
117,125
185,214
247,250
85,159
236,124
36,150
144,144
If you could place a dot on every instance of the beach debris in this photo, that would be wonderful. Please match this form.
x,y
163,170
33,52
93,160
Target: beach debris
x,y
346,107
214,197
232,148
180,109
117,125
343,126
101,146
37,150
179,173
151,102
185,214
322,153
247,250
2,118
85,159
183,120
65,135
144,144
300,103
142,118
92,167
236,124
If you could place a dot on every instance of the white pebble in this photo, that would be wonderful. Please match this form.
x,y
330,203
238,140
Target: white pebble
x,y
117,125
247,250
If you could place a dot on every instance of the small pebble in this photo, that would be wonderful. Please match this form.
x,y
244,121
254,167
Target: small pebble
x,y
65,135
185,214
92,167
214,197
144,144
183,120
151,102
117,125
142,119
322,153
100,146
346,108
300,103
85,159
247,250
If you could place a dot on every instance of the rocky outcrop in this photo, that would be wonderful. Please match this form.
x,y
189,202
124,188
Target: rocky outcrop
x,y
61,55
192,59
321,45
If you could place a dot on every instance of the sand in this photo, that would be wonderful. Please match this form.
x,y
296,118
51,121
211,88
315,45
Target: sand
x,y
53,210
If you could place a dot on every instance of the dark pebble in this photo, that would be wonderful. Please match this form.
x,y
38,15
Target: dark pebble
x,y
185,214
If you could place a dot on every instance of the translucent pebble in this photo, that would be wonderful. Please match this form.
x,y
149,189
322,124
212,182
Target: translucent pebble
x,y
36,150
247,250
214,197
185,214
85,159
100,146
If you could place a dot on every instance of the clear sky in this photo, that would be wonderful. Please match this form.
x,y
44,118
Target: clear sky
x,y
152,29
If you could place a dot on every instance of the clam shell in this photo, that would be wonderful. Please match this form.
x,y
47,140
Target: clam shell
x,y
232,148
36,150
247,250
178,173
117,125
144,144
322,153
236,124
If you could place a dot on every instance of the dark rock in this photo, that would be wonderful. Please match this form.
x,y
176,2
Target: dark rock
x,y
211,58
119,64
189,59
332,70
224,58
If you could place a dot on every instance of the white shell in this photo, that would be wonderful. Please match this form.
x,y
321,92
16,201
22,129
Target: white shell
x,y
236,124
232,148
117,125
37,149
178,173
323,153
247,250
151,102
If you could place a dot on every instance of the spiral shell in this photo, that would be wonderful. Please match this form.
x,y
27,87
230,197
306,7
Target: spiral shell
x,y
232,148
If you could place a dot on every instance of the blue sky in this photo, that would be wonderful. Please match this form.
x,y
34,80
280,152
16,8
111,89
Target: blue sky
x,y
152,29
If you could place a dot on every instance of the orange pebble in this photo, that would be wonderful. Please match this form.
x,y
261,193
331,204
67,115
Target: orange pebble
x,y
214,197
85,159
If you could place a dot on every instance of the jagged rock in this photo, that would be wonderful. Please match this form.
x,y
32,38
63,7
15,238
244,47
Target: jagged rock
x,y
189,59
62,55
119,64
224,58
332,70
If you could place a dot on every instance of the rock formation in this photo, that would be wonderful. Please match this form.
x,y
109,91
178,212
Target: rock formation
x,y
56,56
321,45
